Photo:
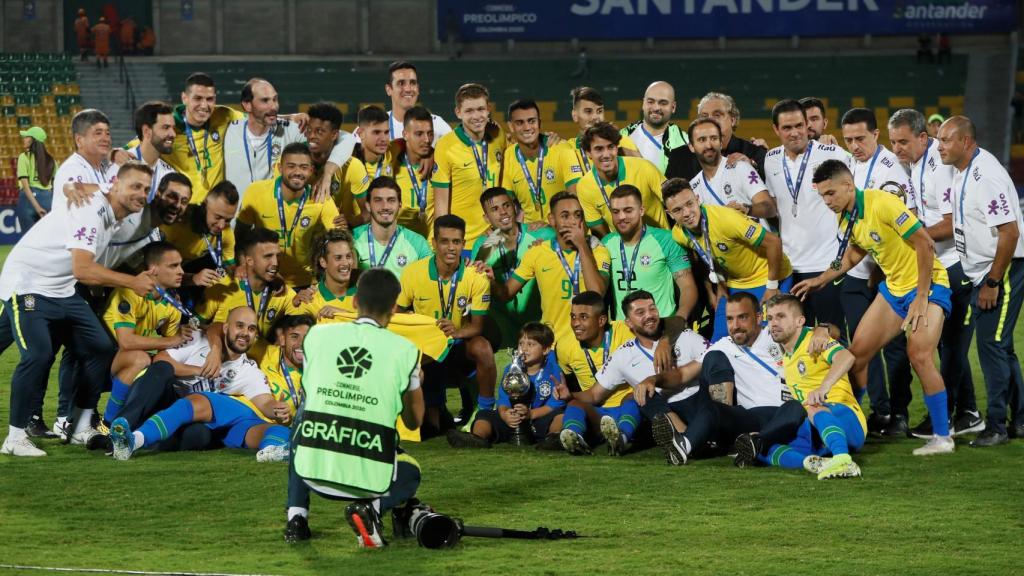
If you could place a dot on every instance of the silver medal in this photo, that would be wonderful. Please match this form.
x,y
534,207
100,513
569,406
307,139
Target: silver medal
x,y
193,322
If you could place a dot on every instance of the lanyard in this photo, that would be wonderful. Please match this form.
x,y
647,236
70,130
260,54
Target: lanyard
x,y
192,319
605,350
264,298
794,191
600,186
372,242
195,151
712,190
763,364
642,350
216,253
419,190
481,164
629,270
920,179
503,255
583,155
844,242
99,175
651,137
288,380
152,185
380,166
963,185
536,188
574,273
871,166
286,233
705,252
446,310
391,125
269,145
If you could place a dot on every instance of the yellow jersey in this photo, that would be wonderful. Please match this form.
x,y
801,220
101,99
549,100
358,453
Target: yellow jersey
x,y
466,169
350,182
220,299
585,363
188,237
280,387
423,293
733,244
533,181
594,192
415,191
805,373
146,316
584,161
881,227
419,329
199,152
555,283
304,220
323,297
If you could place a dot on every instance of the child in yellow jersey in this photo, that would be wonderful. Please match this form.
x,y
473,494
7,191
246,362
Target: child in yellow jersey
x,y
835,424
594,340
286,204
205,239
283,360
915,296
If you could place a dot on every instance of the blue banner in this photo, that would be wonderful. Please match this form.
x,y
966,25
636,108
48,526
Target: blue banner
x,y
473,20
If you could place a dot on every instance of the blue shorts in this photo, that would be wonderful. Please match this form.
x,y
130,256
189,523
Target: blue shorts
x,y
938,294
628,409
807,440
758,291
231,417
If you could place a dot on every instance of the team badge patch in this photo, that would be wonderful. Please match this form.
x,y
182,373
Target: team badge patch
x,y
645,260
776,352
335,186
728,189
549,174
544,390
499,155
402,260
215,136
874,236
902,218
463,301
123,306
750,232
231,374
271,314
485,298
305,222
801,368
29,302
722,246
275,151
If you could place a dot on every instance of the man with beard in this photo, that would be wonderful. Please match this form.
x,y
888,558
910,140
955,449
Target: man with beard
x,y
236,405
588,110
610,171
683,162
204,236
282,364
383,243
154,125
723,183
417,204
38,284
817,123
375,152
286,204
655,136
403,88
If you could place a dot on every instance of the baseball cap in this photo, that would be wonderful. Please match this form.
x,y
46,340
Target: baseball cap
x,y
35,132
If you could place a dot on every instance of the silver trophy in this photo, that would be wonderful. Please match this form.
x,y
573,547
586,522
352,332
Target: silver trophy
x,y
516,385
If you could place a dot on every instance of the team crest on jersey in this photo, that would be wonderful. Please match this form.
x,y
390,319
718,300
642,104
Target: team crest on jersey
x,y
271,314
463,301
305,222
402,260
645,260
722,246
124,307
728,189
801,367
231,374
776,351
544,390
215,136
335,186
874,236
275,151
499,155
549,174
29,302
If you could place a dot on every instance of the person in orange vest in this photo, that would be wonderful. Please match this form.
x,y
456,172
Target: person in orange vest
x,y
127,36
147,41
82,33
101,41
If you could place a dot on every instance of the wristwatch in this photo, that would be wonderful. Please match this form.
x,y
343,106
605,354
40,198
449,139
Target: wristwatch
x,y
992,283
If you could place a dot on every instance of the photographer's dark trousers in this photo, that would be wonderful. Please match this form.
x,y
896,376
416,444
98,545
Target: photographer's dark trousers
x,y
698,411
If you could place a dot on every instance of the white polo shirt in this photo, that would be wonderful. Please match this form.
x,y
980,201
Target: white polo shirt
x,y
160,169
809,239
395,127
240,376
632,363
77,169
758,370
933,182
736,183
649,145
40,262
882,169
983,197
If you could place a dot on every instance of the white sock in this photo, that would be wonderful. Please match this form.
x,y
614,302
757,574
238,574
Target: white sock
x,y
84,420
16,433
140,439
294,511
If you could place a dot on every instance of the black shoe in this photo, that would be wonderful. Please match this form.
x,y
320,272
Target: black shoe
x,y
462,417
923,430
748,448
989,438
896,427
297,530
665,435
877,422
460,439
968,423
365,522
38,429
550,442
402,515
1015,430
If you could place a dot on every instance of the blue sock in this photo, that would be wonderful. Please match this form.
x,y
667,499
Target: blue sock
x,y
276,435
629,418
938,412
859,393
166,422
485,403
783,456
831,432
574,419
721,330
118,394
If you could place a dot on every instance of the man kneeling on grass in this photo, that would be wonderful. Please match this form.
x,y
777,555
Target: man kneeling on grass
x,y
546,399
237,404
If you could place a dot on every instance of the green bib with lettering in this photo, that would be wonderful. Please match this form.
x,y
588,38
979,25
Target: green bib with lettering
x,y
354,377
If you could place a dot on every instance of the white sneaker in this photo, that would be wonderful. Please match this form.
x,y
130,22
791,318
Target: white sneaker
x,y
82,438
62,431
22,447
937,445
815,464
273,454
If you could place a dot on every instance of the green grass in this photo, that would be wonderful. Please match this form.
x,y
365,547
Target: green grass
x,y
222,512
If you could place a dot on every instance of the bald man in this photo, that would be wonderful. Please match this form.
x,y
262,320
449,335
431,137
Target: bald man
x,y
987,237
655,135
683,163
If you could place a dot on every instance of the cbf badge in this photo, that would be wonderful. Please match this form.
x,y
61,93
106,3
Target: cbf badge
x,y
549,175
305,222
29,302
544,390
271,314
402,260
801,368
463,301
215,136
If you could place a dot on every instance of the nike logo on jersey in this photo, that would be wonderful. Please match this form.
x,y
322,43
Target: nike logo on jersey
x,y
546,269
